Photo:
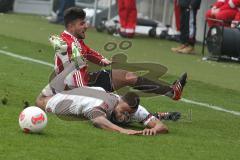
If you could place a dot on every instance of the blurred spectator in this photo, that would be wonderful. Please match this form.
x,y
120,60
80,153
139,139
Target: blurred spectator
x,y
63,5
128,17
188,10
228,11
211,13
177,14
6,5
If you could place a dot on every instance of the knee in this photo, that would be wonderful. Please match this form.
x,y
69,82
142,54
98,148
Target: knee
x,y
131,77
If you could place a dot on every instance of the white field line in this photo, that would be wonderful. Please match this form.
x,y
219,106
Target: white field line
x,y
217,108
25,58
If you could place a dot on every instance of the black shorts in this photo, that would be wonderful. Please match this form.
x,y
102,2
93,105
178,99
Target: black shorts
x,y
102,79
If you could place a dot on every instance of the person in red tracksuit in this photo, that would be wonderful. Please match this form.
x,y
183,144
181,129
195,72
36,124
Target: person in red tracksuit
x,y
128,17
211,13
228,11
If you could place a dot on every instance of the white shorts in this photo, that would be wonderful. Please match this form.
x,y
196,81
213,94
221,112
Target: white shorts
x,y
71,104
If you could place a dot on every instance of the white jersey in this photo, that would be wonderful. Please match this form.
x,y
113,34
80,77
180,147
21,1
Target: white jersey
x,y
81,101
85,106
64,104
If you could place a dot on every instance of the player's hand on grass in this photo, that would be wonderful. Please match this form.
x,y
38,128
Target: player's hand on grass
x,y
131,132
149,132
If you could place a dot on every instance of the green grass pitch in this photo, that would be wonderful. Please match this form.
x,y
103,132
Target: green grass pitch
x,y
205,134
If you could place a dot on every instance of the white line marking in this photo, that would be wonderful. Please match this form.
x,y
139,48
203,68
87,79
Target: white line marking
x,y
217,108
25,58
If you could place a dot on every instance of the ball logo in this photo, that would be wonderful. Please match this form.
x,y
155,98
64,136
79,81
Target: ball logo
x,y
22,116
38,119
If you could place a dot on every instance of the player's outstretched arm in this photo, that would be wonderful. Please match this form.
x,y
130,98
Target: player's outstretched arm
x,y
104,123
155,127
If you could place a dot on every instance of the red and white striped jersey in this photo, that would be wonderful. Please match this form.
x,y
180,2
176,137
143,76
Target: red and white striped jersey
x,y
76,47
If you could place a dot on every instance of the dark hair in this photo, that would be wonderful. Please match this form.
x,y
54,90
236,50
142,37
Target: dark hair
x,y
72,14
132,99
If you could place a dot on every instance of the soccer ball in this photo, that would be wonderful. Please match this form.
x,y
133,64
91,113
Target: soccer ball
x,y
32,120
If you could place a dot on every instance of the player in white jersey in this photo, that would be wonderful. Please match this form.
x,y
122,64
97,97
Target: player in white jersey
x,y
105,110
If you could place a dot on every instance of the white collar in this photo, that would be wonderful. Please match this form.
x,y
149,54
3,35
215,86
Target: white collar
x,y
66,32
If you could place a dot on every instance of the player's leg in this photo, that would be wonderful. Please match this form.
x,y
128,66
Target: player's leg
x,y
101,79
115,79
121,78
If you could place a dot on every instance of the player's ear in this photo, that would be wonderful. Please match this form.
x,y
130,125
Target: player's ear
x,y
132,99
69,25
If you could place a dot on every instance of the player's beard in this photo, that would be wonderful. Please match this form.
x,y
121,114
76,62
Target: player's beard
x,y
79,36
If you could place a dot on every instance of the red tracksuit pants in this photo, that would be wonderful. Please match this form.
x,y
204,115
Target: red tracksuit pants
x,y
128,16
177,12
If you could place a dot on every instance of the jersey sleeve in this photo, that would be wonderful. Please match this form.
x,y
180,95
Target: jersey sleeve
x,y
142,116
92,55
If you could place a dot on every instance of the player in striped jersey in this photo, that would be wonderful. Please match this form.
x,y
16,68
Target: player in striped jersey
x,y
70,46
